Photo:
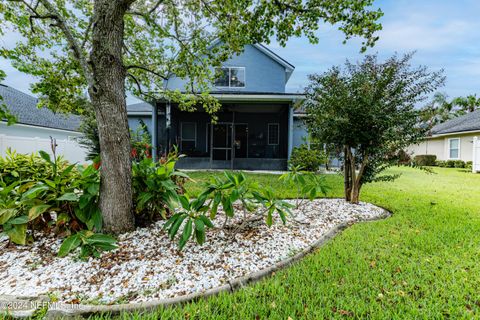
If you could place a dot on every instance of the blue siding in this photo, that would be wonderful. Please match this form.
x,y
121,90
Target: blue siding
x,y
261,72
300,133
134,122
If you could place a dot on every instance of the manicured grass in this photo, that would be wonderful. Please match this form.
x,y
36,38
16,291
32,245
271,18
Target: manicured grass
x,y
423,262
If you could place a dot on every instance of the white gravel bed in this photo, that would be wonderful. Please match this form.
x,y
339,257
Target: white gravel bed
x,y
147,265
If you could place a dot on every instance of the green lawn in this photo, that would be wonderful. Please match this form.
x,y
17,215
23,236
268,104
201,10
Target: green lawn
x,y
423,262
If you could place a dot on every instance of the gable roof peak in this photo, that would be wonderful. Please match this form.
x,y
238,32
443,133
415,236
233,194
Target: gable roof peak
x,y
269,53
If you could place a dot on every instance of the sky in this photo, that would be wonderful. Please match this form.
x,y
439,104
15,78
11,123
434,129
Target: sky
x,y
445,35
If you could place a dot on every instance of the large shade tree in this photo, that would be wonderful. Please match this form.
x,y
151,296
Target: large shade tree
x,y
368,110
105,47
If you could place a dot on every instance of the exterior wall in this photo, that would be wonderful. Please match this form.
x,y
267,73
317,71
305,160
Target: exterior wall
x,y
262,74
300,133
134,122
439,146
26,140
430,146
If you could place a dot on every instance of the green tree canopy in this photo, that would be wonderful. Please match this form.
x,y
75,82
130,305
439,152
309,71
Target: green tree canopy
x,y
368,110
5,113
105,47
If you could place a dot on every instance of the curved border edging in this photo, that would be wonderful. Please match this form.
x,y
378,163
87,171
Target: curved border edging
x,y
65,310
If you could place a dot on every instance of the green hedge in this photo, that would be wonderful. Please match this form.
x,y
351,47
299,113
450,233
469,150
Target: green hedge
x,y
425,160
459,164
469,165
440,163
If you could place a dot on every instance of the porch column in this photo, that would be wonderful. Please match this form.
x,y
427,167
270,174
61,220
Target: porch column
x,y
168,123
475,161
290,130
154,131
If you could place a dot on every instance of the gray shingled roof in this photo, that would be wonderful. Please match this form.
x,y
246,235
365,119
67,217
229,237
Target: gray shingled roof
x,y
139,107
467,122
24,107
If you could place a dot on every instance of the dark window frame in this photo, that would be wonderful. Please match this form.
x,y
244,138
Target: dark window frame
x,y
188,140
230,78
277,134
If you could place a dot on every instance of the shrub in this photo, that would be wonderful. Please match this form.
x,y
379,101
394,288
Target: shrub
x,y
140,140
307,184
440,163
459,164
21,167
450,163
469,165
51,196
425,160
404,158
307,159
155,187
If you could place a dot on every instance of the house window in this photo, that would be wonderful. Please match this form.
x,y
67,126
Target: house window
x,y
188,133
230,77
273,133
454,148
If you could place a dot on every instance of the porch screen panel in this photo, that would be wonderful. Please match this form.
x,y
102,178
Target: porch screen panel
x,y
264,139
188,136
273,134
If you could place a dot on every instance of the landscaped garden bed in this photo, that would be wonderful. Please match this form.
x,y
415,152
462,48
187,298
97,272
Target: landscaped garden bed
x,y
147,265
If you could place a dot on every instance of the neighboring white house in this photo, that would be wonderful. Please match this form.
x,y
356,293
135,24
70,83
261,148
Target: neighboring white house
x,y
456,139
35,126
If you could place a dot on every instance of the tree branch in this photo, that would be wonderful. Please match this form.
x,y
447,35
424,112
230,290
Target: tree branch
x,y
147,70
35,14
87,32
139,87
285,6
155,6
362,169
148,13
72,41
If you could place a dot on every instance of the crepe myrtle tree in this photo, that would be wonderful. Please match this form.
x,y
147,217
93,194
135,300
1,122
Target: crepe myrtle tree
x,y
368,109
108,47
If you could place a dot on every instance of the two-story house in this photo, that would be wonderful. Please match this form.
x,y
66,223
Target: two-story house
x,y
257,126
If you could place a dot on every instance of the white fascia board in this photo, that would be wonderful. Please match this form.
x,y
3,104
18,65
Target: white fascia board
x,y
452,134
258,97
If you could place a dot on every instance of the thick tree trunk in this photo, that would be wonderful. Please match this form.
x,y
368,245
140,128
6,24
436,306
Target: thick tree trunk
x,y
108,99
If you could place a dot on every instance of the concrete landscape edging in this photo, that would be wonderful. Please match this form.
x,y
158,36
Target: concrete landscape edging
x,y
60,310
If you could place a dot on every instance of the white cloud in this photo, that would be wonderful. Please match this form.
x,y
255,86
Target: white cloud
x,y
405,36
421,26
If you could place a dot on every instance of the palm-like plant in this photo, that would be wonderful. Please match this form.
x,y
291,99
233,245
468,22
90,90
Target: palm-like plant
x,y
466,104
